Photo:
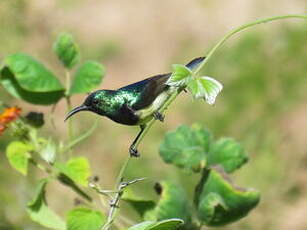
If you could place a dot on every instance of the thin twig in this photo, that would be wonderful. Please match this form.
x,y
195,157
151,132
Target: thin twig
x,y
108,193
161,110
68,102
241,28
82,137
40,166
52,115
64,180
114,203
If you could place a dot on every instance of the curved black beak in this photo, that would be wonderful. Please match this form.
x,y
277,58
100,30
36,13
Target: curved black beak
x,y
76,110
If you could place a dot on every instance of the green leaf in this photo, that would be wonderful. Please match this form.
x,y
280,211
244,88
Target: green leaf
x,y
84,218
67,50
18,154
209,206
205,87
140,204
39,211
142,226
87,77
221,202
48,152
31,74
77,169
170,224
67,181
173,203
27,79
186,147
228,153
181,75
194,88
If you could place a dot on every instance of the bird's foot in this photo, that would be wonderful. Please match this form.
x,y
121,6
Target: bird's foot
x,y
134,152
158,116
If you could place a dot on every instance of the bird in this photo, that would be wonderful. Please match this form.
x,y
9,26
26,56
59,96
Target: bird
x,y
135,104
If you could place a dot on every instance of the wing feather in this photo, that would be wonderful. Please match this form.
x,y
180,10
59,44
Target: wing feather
x,y
154,87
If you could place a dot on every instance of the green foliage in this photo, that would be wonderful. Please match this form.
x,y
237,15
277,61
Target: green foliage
x,y
67,50
77,169
173,203
18,155
228,153
141,205
169,224
221,202
205,87
194,149
186,147
218,202
84,218
40,212
27,79
181,75
88,76
70,183
200,87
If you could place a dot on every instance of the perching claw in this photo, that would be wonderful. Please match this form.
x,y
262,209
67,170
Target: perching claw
x,y
133,151
158,116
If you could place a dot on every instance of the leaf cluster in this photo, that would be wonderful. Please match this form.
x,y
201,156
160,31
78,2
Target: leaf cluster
x,y
217,201
200,87
27,79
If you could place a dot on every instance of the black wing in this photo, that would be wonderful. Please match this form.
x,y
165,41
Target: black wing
x,y
152,87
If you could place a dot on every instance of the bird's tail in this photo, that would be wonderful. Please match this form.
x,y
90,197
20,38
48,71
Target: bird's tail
x,y
195,63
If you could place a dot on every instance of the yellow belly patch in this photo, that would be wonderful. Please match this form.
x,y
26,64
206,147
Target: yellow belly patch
x,y
146,114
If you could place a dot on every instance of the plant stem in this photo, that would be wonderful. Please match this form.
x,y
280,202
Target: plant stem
x,y
118,190
80,138
122,171
241,28
69,107
108,193
114,203
210,54
39,166
161,110
63,179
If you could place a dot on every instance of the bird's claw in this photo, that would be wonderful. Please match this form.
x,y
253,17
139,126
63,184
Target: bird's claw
x,y
133,152
158,116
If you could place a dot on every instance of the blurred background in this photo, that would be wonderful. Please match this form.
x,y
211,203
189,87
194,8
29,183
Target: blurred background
x,y
263,104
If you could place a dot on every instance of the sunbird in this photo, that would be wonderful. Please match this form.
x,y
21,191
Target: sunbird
x,y
134,104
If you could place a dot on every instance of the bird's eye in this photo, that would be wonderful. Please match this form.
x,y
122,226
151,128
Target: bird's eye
x,y
95,101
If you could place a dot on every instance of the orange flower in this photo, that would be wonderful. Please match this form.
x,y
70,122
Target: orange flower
x,y
9,115
2,129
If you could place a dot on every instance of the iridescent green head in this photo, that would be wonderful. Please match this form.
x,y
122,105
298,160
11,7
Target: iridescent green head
x,y
97,102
